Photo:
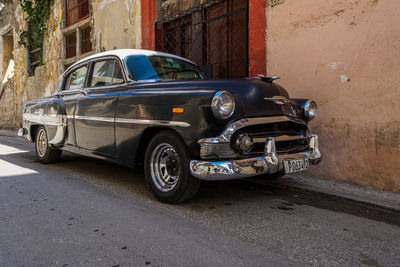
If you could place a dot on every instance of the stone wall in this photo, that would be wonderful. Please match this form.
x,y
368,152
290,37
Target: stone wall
x,y
6,14
345,55
7,105
7,89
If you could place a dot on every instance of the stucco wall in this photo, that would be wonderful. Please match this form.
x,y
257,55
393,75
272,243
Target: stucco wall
x,y
116,24
345,55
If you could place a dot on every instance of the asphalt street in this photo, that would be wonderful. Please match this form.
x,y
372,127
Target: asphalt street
x,y
88,212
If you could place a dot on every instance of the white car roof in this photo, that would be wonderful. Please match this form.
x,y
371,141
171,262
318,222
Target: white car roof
x,y
123,53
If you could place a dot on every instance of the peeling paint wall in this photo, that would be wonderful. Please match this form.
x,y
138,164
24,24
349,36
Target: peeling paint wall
x,y
46,77
345,55
116,24
7,88
173,7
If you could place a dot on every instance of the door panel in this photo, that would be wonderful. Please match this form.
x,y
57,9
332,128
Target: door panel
x,y
95,115
95,121
71,89
70,100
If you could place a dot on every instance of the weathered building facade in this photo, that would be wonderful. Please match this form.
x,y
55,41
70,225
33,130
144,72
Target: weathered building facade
x,y
76,29
343,54
7,90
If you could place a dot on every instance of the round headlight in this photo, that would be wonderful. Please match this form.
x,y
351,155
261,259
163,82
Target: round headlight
x,y
223,105
310,109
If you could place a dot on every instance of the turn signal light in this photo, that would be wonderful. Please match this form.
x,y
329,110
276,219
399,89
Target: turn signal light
x,y
178,110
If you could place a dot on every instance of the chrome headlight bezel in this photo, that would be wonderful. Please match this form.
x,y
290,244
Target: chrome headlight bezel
x,y
310,109
223,105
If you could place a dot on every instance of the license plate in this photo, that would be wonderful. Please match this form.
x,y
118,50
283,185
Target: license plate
x,y
296,165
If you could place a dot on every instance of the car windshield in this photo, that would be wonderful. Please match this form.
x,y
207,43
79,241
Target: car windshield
x,y
164,68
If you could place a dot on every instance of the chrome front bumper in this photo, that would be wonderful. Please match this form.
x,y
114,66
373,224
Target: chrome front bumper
x,y
269,163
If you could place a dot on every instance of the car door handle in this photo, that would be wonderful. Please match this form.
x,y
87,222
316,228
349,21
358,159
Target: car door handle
x,y
84,92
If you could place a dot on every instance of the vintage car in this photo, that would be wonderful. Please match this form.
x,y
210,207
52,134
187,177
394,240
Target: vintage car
x,y
136,107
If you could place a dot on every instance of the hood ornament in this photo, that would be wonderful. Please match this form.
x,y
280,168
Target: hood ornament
x,y
269,79
279,100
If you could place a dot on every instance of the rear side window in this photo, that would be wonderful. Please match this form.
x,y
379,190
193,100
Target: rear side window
x,y
118,77
76,79
106,72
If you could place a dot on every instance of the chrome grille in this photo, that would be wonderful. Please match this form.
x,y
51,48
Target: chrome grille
x,y
290,137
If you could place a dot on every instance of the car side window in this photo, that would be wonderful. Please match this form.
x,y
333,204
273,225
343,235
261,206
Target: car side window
x,y
76,79
118,77
105,73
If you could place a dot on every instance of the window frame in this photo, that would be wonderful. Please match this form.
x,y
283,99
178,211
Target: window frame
x,y
67,75
91,69
81,30
76,7
66,45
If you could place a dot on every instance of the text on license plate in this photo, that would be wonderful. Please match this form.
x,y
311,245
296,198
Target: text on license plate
x,y
296,165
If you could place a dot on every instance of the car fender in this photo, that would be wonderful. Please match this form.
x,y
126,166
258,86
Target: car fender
x,y
50,113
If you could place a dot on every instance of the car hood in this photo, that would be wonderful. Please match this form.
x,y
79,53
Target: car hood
x,y
249,93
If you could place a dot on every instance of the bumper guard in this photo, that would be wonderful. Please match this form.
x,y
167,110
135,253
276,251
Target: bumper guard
x,y
269,163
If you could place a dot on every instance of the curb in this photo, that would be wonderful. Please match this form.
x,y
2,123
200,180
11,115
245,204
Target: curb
x,y
9,133
361,195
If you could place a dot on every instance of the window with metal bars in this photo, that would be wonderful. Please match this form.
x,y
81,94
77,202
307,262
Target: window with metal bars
x,y
76,10
70,45
214,35
86,44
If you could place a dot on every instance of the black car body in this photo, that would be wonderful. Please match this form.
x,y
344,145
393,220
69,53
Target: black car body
x,y
113,105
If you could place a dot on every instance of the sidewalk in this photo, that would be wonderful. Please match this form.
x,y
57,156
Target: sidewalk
x,y
356,193
360,194
9,133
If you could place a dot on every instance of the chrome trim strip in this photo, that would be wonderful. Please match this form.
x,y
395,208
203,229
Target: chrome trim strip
x,y
52,120
284,137
153,122
92,118
60,120
225,137
279,100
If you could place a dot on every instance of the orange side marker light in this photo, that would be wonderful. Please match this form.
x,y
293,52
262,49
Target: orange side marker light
x,y
178,110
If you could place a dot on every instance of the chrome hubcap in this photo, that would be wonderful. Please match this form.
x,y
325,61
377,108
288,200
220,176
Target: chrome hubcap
x,y
164,167
41,143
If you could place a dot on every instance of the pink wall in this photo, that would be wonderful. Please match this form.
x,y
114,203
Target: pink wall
x,y
346,55
257,33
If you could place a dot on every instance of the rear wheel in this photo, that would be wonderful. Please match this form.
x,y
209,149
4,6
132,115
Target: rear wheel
x,y
167,169
44,152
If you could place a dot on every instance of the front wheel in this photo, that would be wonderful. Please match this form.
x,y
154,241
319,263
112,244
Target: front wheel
x,y
44,152
167,169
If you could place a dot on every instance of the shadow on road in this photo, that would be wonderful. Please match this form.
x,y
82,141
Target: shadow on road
x,y
212,195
